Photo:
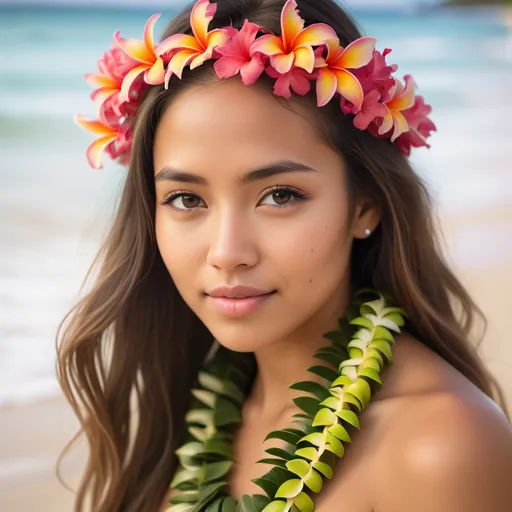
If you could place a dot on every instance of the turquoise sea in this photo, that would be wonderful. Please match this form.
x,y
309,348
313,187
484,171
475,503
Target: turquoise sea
x,y
54,209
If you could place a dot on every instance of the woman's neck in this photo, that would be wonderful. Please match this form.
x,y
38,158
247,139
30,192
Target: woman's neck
x,y
286,361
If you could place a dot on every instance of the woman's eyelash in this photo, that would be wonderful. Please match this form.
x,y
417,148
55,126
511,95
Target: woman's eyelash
x,y
169,199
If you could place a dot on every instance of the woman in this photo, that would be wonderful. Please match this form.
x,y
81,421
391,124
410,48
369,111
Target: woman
x,y
267,183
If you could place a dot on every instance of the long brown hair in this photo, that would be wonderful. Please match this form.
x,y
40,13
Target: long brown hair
x,y
129,352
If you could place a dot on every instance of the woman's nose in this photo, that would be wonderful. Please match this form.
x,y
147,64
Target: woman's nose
x,y
232,242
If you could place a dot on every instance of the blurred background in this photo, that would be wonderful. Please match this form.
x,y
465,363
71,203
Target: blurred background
x,y
54,209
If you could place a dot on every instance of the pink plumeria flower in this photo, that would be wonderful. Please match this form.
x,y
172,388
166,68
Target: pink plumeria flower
x,y
144,53
334,75
237,56
296,80
402,98
420,127
295,46
371,109
113,66
186,50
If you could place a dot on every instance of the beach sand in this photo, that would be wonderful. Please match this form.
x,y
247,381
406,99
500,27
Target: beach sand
x,y
34,434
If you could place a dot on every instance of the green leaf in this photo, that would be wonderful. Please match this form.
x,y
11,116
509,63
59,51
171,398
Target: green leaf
x,y
384,348
206,397
375,354
181,476
225,388
298,467
316,439
308,404
334,445
331,402
288,436
290,488
314,481
192,449
361,321
304,503
361,390
312,387
371,362
329,358
269,487
218,447
229,505
226,413
308,453
185,497
215,470
367,309
275,506
274,462
396,319
202,417
199,433
323,371
324,417
342,380
260,501
216,506
371,374
381,333
349,416
182,507
340,432
279,452
208,491
246,504
323,468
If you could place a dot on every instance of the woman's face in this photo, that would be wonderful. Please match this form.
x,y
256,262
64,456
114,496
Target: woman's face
x,y
248,195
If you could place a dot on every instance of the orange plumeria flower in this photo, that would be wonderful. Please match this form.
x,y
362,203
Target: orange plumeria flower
x,y
192,50
402,98
295,46
107,136
333,74
145,54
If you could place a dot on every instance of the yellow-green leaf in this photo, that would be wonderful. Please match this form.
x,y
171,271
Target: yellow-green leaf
x,y
349,416
343,380
298,467
331,402
324,468
290,488
340,432
314,481
304,503
308,453
316,439
371,374
324,417
334,445
275,506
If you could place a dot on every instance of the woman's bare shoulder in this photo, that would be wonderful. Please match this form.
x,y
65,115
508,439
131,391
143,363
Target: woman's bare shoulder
x,y
443,444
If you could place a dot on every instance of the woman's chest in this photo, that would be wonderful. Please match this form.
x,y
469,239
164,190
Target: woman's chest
x,y
346,491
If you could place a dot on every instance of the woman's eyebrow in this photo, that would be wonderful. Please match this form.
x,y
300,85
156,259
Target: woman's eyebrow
x,y
285,166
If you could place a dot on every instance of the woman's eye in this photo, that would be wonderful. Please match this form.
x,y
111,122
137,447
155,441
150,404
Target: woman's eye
x,y
282,197
183,202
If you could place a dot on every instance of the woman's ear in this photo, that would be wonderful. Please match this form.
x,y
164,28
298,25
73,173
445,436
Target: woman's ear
x,y
366,218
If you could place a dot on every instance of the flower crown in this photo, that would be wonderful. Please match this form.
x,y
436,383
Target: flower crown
x,y
357,76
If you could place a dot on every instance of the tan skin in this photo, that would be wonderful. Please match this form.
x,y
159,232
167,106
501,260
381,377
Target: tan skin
x,y
430,441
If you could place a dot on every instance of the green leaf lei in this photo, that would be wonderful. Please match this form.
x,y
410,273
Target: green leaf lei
x,y
358,353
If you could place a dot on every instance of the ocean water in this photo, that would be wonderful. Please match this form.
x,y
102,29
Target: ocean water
x,y
54,210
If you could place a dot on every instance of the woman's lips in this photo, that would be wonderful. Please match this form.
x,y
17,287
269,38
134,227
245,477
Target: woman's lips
x,y
240,306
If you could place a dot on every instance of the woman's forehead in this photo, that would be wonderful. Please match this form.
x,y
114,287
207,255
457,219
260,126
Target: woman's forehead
x,y
230,121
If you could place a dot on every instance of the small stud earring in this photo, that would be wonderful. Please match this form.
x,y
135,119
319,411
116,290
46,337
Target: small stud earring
x,y
367,232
